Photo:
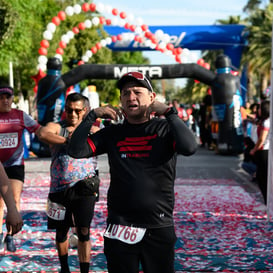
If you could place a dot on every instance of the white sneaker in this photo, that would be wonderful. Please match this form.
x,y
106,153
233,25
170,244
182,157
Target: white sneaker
x,y
73,240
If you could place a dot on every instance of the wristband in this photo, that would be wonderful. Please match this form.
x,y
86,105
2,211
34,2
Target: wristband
x,y
170,111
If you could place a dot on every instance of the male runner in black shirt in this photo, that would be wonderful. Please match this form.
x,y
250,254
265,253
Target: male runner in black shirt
x,y
142,155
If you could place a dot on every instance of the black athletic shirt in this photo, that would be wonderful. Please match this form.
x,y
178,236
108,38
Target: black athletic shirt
x,y
142,160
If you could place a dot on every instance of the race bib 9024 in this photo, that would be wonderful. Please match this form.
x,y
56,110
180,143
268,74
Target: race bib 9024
x,y
8,140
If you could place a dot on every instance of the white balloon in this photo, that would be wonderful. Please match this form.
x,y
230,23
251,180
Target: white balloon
x,y
70,34
69,10
138,30
130,18
59,56
166,38
108,9
185,52
139,21
96,21
159,34
148,43
88,23
77,9
65,38
42,67
51,27
103,43
108,40
100,7
42,59
47,35
85,58
89,53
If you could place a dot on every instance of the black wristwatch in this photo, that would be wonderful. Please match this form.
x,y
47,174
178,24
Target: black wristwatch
x,y
170,111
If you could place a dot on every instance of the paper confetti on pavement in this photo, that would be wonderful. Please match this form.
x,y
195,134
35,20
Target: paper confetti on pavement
x,y
217,225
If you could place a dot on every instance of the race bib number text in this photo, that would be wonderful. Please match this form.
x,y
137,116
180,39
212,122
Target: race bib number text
x,y
8,140
126,234
55,211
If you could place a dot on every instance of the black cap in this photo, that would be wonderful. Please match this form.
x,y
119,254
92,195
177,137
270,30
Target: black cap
x,y
135,77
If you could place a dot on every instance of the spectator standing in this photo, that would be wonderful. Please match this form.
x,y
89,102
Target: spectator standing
x,y
260,150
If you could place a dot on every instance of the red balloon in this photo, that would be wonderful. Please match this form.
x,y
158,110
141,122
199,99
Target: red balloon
x,y
144,27
148,34
44,43
98,46
122,15
115,12
132,28
201,62
80,62
75,30
81,26
42,51
35,89
108,22
38,76
114,39
62,15
85,7
92,7
56,20
94,50
119,37
102,20
59,51
170,46
178,59
62,44
127,26
206,65
179,50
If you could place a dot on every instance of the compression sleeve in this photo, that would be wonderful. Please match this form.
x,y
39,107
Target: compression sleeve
x,y
79,145
185,143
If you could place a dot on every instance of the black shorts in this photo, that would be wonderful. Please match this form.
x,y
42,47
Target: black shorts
x,y
155,252
78,202
16,172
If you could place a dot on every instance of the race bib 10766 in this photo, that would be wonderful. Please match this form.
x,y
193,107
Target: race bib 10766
x,y
126,234
8,140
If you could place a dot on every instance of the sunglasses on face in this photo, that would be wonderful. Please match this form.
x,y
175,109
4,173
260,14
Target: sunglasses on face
x,y
70,110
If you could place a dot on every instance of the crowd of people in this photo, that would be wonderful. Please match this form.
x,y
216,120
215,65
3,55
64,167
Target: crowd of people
x,y
143,134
